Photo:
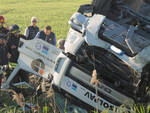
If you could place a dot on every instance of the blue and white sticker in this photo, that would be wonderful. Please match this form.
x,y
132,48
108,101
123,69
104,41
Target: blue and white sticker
x,y
72,86
45,50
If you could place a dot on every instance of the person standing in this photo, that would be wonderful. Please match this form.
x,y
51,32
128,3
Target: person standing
x,y
32,30
47,35
3,56
13,42
3,51
1,60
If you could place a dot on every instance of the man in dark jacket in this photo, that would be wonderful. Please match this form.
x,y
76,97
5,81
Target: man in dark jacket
x,y
32,30
47,35
1,60
13,42
3,55
3,52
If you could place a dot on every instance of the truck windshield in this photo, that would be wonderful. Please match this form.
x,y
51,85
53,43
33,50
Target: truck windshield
x,y
104,6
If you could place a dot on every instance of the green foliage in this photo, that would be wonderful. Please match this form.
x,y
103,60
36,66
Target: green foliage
x,y
135,109
45,109
142,109
10,109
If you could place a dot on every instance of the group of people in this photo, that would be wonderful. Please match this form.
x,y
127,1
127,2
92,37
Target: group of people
x,y
10,38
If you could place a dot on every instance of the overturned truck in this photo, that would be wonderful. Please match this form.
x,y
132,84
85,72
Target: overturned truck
x,y
109,36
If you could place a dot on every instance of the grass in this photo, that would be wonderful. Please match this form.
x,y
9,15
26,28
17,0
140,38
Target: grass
x,y
11,106
49,12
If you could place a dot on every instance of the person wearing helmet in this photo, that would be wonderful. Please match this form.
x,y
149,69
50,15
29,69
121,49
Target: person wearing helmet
x,y
3,30
32,30
13,42
47,35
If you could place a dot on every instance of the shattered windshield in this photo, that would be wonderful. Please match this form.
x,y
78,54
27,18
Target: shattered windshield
x,y
141,6
134,4
105,6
